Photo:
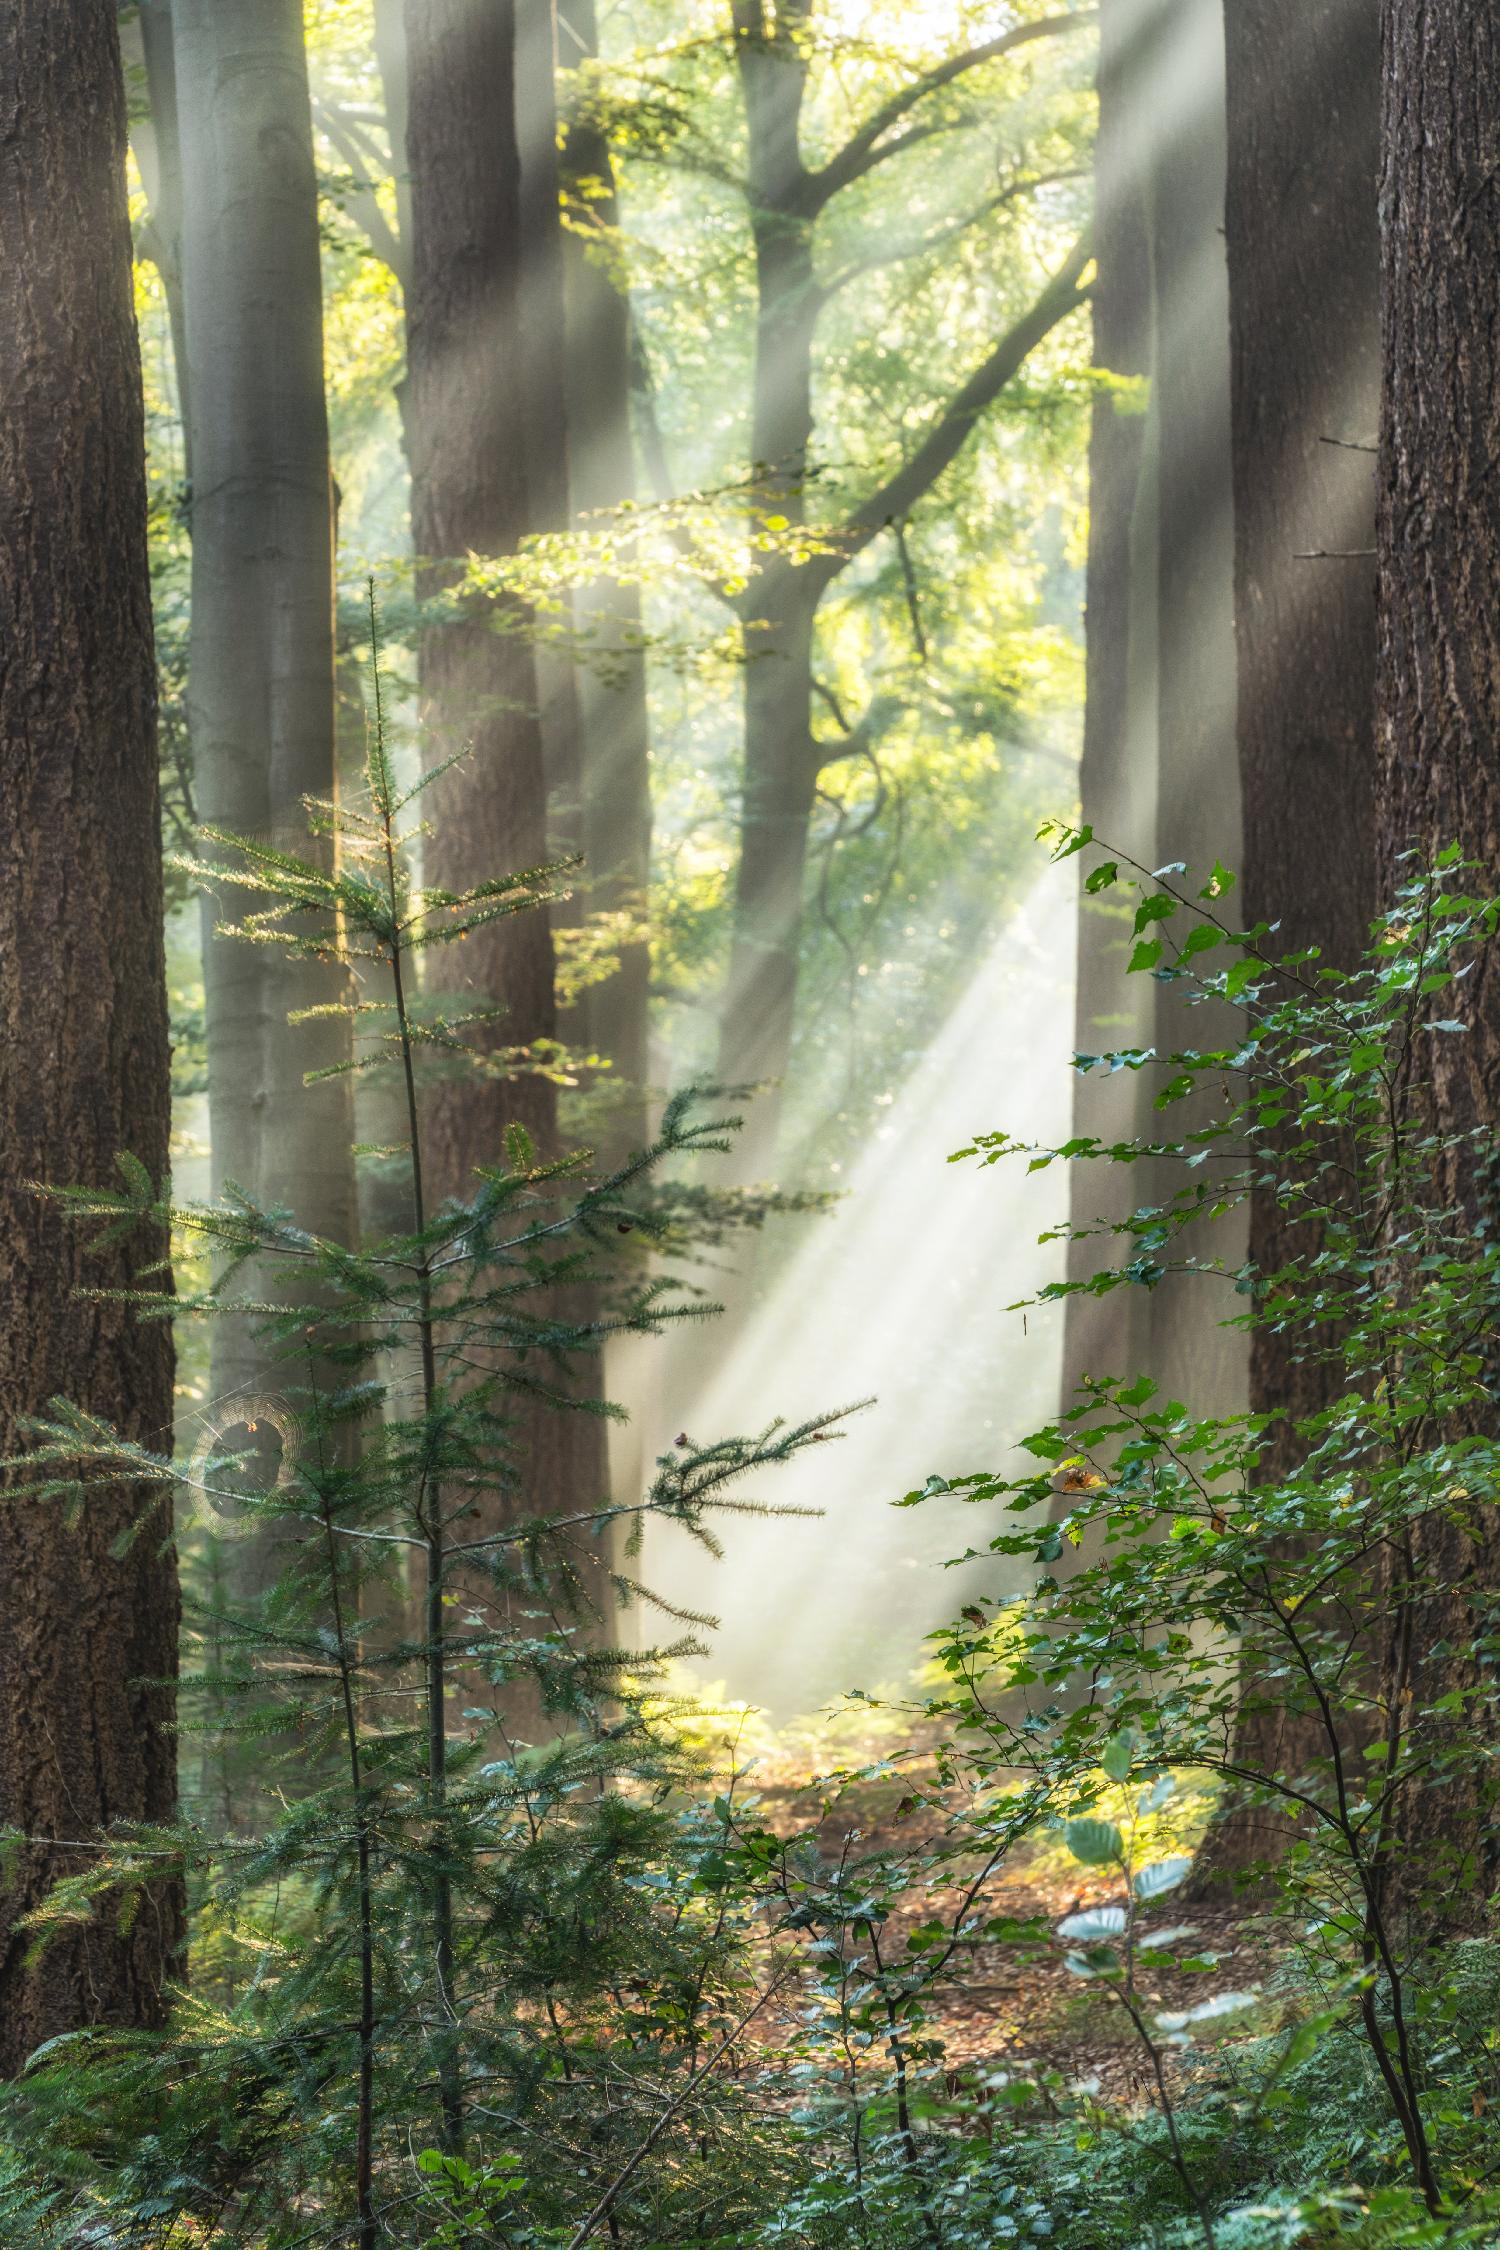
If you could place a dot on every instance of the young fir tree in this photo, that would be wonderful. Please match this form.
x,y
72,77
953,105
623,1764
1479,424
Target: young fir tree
x,y
452,1967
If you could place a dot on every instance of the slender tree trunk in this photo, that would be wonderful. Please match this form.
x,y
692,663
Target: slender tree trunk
x,y
1198,818
1438,730
261,691
468,440
155,137
616,723
1303,109
779,613
1117,775
87,1633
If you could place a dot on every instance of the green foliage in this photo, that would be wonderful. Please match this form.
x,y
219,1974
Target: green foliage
x,y
475,1834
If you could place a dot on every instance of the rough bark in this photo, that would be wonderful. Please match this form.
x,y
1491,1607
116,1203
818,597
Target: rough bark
x,y
261,690
616,812
469,494
1303,241
83,1020
1438,724
468,442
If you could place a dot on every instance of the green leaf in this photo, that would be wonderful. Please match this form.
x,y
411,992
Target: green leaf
x,y
1096,1843
1145,956
1089,1928
1102,877
1163,1875
1119,1755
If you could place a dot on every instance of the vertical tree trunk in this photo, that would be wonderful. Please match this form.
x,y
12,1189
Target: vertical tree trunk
x,y
1303,109
84,1739
155,137
1117,774
468,437
779,613
1438,729
1198,815
616,725
261,692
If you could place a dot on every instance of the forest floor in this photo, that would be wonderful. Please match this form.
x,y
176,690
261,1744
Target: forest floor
x,y
1013,2006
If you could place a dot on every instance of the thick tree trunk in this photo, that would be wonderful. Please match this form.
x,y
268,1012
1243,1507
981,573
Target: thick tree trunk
x,y
466,435
615,832
261,690
1303,108
1439,670
468,443
84,1739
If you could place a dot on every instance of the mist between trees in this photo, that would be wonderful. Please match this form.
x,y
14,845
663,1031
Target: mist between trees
x,y
748,1185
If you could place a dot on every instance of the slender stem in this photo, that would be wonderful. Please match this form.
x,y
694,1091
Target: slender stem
x,y
364,2155
429,1502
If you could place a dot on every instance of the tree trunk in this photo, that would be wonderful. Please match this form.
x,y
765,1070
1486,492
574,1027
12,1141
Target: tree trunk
x,y
468,443
261,688
1117,774
84,1739
1303,107
616,725
779,613
155,137
1193,1355
1438,730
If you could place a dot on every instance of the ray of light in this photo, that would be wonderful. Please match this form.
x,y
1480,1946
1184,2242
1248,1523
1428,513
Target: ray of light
x,y
901,1293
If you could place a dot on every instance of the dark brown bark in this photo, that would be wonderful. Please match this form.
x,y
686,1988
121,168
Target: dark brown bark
x,y
616,811
83,1050
1439,684
1303,108
466,437
468,440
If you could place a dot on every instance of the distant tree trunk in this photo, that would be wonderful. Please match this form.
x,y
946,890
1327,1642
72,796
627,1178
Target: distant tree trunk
x,y
261,691
779,614
1117,775
1304,261
1198,815
616,725
156,139
85,1631
1439,670
468,437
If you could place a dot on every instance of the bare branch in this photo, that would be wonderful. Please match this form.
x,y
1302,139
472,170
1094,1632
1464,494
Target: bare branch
x,y
864,149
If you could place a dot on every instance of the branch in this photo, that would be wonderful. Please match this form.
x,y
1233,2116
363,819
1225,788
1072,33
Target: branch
x,y
949,434
364,203
680,2101
951,230
862,151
